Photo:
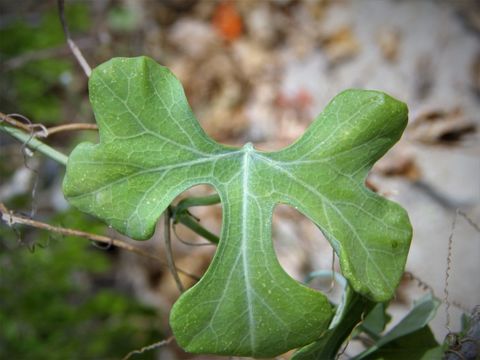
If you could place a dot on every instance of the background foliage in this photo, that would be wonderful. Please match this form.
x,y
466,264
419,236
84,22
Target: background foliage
x,y
57,300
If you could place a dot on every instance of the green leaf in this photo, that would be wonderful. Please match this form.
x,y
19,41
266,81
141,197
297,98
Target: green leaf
x,y
410,334
152,149
418,345
375,321
434,353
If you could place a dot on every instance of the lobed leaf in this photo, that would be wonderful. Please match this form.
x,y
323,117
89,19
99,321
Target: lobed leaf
x,y
152,149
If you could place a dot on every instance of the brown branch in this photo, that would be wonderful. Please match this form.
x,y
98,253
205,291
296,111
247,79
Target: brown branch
x,y
15,123
73,47
149,347
71,127
11,219
446,295
447,272
45,132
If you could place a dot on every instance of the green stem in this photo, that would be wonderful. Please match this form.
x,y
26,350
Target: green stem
x,y
168,246
330,343
184,204
181,215
189,222
35,144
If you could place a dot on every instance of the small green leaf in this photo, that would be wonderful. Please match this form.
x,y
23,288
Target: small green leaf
x,y
408,335
152,149
375,321
418,345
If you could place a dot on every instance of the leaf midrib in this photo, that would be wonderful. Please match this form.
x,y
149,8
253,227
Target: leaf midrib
x,y
248,149
153,170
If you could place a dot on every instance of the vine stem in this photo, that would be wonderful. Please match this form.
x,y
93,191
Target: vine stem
x,y
189,222
45,132
180,214
9,119
71,127
189,202
31,142
168,245
11,219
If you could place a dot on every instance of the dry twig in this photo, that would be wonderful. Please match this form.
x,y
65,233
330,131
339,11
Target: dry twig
x,y
28,126
446,300
11,219
44,131
73,47
149,347
71,127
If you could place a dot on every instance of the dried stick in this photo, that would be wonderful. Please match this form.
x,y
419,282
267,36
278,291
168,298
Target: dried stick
x,y
149,347
44,131
15,123
71,127
447,273
446,300
73,47
10,219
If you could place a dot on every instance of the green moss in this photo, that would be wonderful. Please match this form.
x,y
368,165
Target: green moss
x,y
50,307
34,88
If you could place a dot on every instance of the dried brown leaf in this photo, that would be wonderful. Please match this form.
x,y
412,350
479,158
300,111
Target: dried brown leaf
x,y
441,127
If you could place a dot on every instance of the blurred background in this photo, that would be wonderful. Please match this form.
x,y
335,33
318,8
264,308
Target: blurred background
x,y
253,70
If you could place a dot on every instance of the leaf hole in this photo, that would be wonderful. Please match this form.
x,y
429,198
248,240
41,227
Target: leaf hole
x,y
300,246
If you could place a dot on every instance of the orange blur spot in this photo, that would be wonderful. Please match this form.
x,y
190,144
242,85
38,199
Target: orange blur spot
x,y
227,21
